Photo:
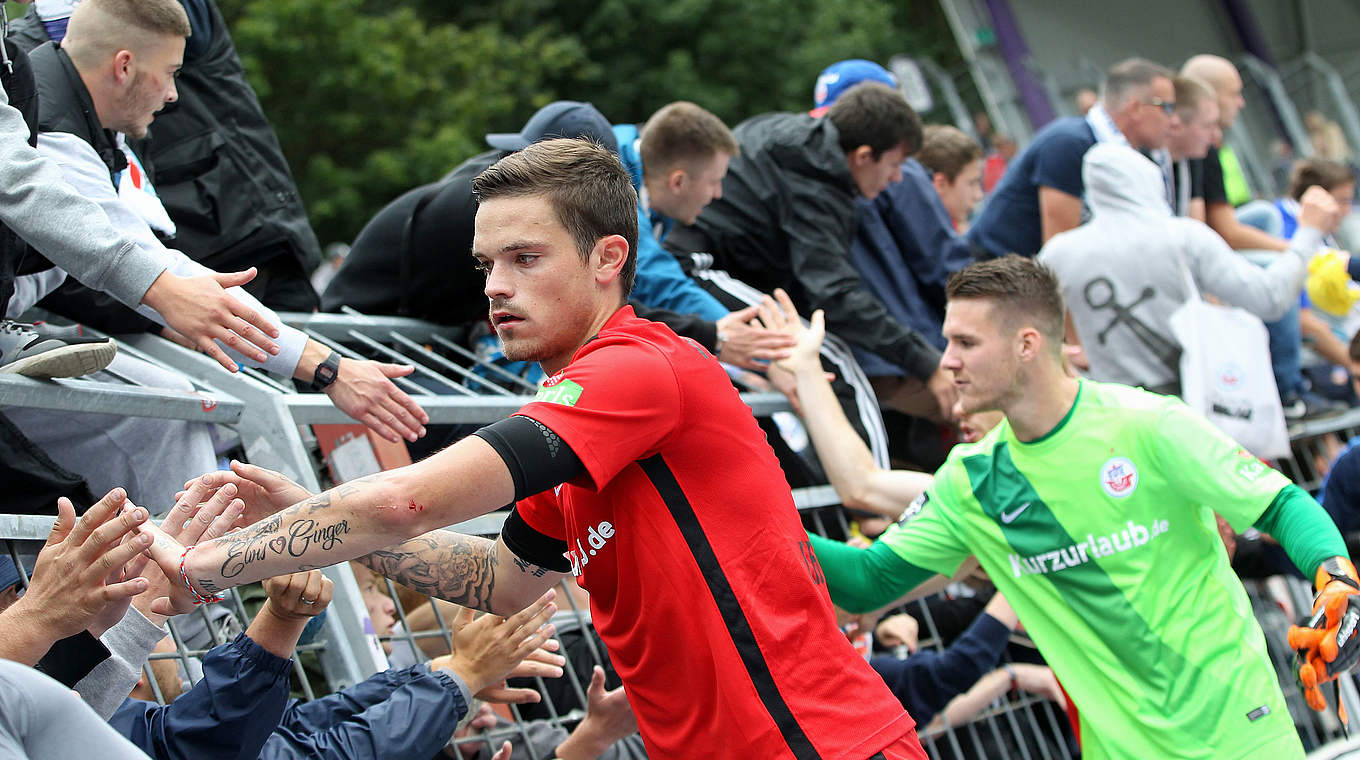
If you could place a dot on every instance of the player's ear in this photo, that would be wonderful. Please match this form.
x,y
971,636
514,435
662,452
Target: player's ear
x,y
1028,343
608,257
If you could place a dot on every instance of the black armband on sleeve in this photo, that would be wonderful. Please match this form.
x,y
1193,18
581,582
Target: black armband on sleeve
x,y
73,657
537,458
531,546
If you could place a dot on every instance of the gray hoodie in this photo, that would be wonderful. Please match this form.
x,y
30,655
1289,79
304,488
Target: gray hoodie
x,y
1122,276
71,231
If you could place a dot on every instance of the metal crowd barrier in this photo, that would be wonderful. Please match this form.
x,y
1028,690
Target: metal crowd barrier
x,y
268,415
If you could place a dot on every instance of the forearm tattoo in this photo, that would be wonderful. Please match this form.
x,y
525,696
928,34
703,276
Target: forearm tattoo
x,y
286,533
443,564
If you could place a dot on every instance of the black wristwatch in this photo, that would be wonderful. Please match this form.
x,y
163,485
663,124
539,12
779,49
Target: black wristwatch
x,y
326,372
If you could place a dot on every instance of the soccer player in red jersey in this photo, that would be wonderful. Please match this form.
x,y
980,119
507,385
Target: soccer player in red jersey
x,y
636,468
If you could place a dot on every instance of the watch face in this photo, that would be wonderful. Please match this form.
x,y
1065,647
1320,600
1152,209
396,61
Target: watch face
x,y
326,371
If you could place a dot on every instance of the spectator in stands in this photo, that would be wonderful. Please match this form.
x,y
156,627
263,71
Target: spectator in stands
x,y
88,142
904,245
1340,488
787,218
106,665
982,127
677,161
678,449
1323,325
1329,142
1193,132
1224,190
414,257
41,210
608,731
1122,274
242,213
1041,194
1218,212
954,161
1081,471
240,708
9,583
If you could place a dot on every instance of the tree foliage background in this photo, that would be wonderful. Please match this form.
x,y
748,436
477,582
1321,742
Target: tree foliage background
x,y
372,97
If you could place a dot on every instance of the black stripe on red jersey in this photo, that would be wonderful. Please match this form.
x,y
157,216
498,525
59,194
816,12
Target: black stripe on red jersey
x,y
728,605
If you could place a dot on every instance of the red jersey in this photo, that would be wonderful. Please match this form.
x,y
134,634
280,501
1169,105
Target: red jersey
x,y
702,582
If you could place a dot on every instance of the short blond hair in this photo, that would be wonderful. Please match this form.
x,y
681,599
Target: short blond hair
x,y
683,133
100,28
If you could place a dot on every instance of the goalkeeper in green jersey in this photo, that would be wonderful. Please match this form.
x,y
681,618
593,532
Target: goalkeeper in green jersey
x,y
1091,506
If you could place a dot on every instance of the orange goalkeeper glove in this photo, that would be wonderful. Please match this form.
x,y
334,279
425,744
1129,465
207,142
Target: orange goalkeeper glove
x,y
1328,645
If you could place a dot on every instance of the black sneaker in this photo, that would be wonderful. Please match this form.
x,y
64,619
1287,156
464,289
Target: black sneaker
x,y
45,351
1310,406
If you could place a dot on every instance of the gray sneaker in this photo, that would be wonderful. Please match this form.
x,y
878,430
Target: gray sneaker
x,y
43,351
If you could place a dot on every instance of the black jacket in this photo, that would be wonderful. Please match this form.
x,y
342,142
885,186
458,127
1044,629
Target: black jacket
x,y
67,107
786,219
414,257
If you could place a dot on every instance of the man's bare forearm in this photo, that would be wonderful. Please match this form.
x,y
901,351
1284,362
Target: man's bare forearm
x,y
353,519
442,564
329,527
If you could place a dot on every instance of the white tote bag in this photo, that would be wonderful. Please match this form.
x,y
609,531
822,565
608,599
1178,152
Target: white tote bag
x,y
1226,373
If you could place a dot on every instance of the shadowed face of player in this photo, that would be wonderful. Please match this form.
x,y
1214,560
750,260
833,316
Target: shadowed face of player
x,y
983,355
546,300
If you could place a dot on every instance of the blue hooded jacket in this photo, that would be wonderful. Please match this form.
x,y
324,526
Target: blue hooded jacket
x,y
660,283
905,249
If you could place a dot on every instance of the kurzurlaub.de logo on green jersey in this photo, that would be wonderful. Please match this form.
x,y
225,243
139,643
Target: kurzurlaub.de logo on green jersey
x,y
562,391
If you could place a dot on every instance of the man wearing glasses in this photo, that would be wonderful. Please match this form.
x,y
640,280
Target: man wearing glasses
x,y
1041,192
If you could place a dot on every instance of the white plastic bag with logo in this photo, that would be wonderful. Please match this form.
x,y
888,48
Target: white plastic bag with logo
x,y
1226,373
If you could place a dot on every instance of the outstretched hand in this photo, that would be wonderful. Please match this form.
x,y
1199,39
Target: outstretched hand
x,y
80,578
488,648
609,718
748,344
781,315
364,390
262,491
199,514
202,311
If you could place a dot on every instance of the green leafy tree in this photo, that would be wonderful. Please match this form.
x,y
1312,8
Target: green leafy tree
x,y
370,98
368,104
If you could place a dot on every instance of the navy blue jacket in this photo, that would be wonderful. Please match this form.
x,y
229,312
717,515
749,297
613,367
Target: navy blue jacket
x,y
926,681
229,714
905,249
241,710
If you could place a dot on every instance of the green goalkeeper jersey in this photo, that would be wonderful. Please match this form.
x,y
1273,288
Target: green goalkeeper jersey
x,y
1102,536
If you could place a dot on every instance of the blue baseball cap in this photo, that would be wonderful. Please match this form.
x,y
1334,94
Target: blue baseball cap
x,y
9,574
841,76
561,118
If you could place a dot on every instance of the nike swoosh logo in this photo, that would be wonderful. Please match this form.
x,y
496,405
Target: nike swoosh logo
x,y
1009,517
